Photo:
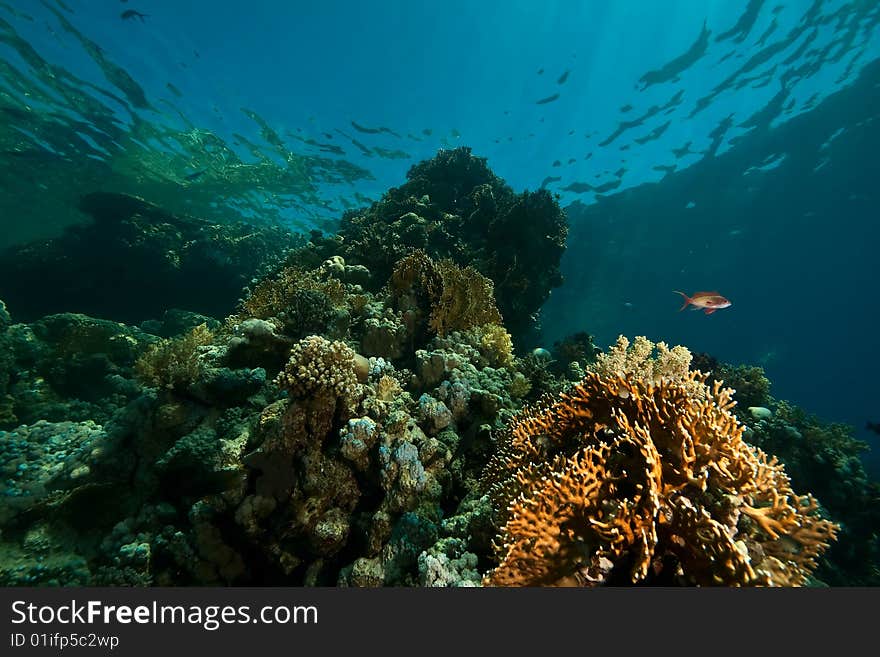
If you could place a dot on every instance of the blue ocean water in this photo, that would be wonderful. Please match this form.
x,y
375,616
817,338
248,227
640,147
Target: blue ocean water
x,y
725,146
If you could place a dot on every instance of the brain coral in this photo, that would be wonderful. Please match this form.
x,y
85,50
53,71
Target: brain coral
x,y
624,480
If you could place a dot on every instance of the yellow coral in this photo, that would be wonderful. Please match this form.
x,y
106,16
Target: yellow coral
x,y
174,363
520,386
625,479
387,394
496,345
645,360
388,388
454,298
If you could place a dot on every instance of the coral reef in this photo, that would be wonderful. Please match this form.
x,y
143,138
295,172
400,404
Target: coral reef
x,y
134,260
351,469
442,295
254,457
176,322
453,207
749,382
318,368
639,474
826,457
496,345
174,363
645,360
467,300
335,427
301,301
490,345
540,377
44,457
385,335
576,348
448,563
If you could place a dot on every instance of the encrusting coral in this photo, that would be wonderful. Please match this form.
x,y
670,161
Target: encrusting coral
x,y
632,477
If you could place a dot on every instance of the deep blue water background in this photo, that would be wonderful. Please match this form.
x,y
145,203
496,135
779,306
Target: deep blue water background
x,y
767,111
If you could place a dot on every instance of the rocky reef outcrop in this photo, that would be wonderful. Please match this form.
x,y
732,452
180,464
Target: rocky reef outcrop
x,y
132,261
454,207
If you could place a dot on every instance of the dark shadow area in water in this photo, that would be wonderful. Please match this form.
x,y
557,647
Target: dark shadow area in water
x,y
134,260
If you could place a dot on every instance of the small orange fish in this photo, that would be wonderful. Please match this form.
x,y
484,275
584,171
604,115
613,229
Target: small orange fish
x,y
709,301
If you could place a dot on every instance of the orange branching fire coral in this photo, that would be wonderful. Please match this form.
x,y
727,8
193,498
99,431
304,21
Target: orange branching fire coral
x,y
623,481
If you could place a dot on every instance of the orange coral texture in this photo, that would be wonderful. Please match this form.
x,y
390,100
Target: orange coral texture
x,y
620,481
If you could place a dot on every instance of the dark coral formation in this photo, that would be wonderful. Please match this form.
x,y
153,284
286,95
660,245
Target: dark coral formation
x,y
749,381
133,261
302,302
453,207
576,348
67,367
826,456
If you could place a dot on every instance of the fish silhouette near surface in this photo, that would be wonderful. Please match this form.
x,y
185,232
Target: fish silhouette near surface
x,y
131,14
708,301
873,426
548,99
